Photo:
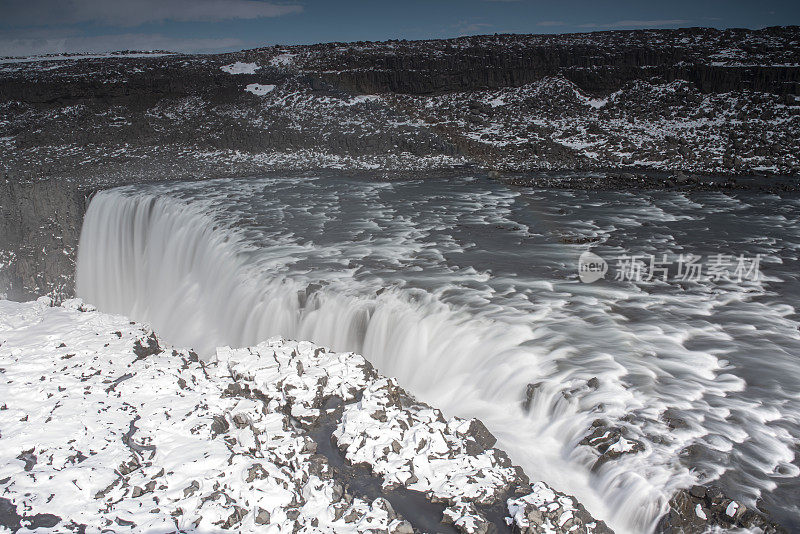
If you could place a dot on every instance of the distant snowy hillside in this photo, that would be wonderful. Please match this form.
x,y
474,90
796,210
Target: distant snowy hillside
x,y
694,100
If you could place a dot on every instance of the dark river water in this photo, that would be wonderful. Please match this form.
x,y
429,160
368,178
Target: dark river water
x,y
468,291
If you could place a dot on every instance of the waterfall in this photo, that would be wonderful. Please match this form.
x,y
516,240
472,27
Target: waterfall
x,y
175,265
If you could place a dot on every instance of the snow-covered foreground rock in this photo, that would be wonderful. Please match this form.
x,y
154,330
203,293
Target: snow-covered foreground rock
x,y
103,429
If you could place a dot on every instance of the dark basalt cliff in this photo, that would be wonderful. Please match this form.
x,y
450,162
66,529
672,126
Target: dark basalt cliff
x,y
40,223
598,63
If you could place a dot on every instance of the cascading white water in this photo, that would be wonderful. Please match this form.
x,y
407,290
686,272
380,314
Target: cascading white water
x,y
196,275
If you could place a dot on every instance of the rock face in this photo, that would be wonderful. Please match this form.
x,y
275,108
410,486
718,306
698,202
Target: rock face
x,y
701,508
600,62
40,223
103,427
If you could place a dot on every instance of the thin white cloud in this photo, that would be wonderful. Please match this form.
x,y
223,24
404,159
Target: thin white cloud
x,y
136,12
638,24
471,28
549,23
109,43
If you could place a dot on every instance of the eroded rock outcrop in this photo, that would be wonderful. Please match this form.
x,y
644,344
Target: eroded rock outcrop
x,y
701,508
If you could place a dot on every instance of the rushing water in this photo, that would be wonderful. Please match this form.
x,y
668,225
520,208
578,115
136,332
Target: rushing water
x,y
467,291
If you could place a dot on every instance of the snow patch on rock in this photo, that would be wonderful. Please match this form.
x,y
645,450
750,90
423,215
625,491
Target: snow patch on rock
x,y
282,60
240,68
545,510
258,89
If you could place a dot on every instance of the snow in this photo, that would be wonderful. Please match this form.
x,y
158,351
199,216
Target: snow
x,y
240,68
258,89
7,258
69,57
730,511
97,434
497,101
361,99
103,425
597,103
622,445
698,511
282,60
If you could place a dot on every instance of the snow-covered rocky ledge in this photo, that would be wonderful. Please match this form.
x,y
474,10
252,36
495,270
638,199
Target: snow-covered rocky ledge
x,y
103,429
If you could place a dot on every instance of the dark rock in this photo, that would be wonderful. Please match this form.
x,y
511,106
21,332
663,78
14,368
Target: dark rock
x,y
680,178
262,517
219,426
193,487
11,520
606,440
530,392
42,521
235,518
241,421
673,420
143,351
29,458
479,438
704,509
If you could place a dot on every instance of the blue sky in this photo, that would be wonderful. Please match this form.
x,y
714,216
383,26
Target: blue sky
x,y
51,26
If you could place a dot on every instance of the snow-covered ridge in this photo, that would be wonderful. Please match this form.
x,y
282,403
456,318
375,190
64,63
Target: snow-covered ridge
x,y
632,99
101,427
72,57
